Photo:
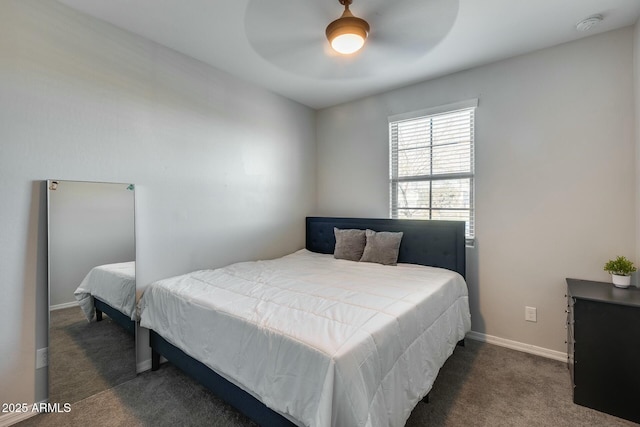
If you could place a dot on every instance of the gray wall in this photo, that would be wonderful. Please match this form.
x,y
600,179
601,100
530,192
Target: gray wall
x,y
555,174
224,171
90,224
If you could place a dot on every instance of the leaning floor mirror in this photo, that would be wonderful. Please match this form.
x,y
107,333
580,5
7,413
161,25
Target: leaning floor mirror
x,y
92,288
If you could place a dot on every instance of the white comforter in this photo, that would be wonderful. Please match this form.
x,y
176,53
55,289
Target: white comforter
x,y
114,284
322,341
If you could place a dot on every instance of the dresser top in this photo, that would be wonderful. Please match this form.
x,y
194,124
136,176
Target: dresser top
x,y
603,292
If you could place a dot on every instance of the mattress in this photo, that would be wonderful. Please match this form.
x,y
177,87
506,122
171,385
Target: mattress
x,y
324,342
114,284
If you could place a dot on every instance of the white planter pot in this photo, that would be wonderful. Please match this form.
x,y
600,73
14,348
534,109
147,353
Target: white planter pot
x,y
621,281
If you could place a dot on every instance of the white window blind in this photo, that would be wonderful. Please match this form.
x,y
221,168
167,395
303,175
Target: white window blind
x,y
432,164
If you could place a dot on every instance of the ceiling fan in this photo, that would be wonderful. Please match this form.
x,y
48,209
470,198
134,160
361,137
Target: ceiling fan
x,y
304,36
348,33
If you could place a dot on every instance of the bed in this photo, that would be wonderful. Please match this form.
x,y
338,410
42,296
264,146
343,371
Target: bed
x,y
110,289
308,339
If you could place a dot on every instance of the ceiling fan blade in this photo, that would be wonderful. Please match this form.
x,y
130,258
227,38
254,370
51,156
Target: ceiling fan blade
x,y
271,47
428,21
290,34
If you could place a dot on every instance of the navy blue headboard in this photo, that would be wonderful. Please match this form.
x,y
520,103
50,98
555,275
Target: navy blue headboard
x,y
431,243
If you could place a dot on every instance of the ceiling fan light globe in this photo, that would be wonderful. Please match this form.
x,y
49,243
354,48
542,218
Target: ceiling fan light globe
x,y
347,43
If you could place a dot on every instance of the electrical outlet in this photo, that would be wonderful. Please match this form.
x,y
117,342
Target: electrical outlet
x,y
42,357
530,314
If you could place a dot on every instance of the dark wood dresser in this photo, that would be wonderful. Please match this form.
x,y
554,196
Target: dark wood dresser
x,y
603,347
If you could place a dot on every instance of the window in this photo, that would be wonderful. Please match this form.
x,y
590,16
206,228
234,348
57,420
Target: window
x,y
432,164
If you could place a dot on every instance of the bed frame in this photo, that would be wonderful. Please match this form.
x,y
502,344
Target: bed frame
x,y
115,314
430,243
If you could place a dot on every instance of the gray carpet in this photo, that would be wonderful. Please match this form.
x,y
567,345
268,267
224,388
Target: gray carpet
x,y
480,385
87,358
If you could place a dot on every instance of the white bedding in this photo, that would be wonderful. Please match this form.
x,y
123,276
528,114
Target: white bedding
x,y
322,341
114,284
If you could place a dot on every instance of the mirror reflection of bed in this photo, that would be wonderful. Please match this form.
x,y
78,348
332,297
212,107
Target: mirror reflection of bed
x,y
91,288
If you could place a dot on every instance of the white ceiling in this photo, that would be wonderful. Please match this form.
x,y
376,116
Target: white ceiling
x,y
216,32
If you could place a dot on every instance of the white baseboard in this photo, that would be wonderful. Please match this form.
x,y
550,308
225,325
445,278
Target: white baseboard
x,y
64,305
12,418
145,365
516,345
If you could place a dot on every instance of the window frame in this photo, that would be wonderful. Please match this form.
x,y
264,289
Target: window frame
x,y
471,104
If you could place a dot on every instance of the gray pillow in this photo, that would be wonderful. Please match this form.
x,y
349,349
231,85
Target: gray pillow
x,y
349,244
382,247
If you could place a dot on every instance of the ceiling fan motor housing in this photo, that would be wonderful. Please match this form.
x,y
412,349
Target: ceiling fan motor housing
x,y
347,24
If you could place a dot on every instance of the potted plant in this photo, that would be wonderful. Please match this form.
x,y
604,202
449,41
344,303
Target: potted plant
x,y
620,270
